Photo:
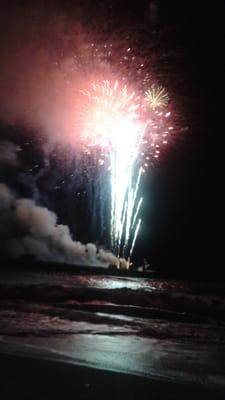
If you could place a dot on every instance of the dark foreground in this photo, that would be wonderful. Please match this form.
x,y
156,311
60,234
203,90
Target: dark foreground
x,y
95,336
32,378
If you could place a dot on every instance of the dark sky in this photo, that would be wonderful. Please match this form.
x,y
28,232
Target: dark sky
x,y
188,202
183,212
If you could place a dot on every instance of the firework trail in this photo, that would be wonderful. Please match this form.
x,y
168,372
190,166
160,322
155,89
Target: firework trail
x,y
112,123
120,125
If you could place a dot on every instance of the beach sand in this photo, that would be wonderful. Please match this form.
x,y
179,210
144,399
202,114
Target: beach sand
x,y
39,379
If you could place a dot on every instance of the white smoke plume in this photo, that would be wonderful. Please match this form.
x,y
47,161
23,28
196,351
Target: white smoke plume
x,y
26,228
109,258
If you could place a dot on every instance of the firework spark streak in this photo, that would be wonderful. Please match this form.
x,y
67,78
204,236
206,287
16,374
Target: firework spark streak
x,y
112,123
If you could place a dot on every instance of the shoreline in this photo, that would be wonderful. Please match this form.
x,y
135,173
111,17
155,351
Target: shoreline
x,y
18,265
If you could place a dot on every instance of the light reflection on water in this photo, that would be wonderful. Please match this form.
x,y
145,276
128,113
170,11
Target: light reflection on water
x,y
114,283
117,327
111,282
93,281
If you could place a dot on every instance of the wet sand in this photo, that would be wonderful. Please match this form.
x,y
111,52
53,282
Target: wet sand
x,y
38,379
93,337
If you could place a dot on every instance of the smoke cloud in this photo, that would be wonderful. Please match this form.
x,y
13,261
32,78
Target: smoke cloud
x,y
40,75
6,197
44,57
26,228
8,153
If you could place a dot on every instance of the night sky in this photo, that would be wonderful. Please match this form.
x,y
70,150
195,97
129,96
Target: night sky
x,y
187,230
183,213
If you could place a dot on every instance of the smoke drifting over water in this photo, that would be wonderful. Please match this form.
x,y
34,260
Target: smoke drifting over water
x,y
26,228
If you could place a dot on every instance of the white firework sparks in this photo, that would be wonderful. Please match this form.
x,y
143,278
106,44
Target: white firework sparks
x,y
112,123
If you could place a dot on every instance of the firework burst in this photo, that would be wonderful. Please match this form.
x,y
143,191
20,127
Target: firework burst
x,y
105,110
112,122
156,97
127,136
